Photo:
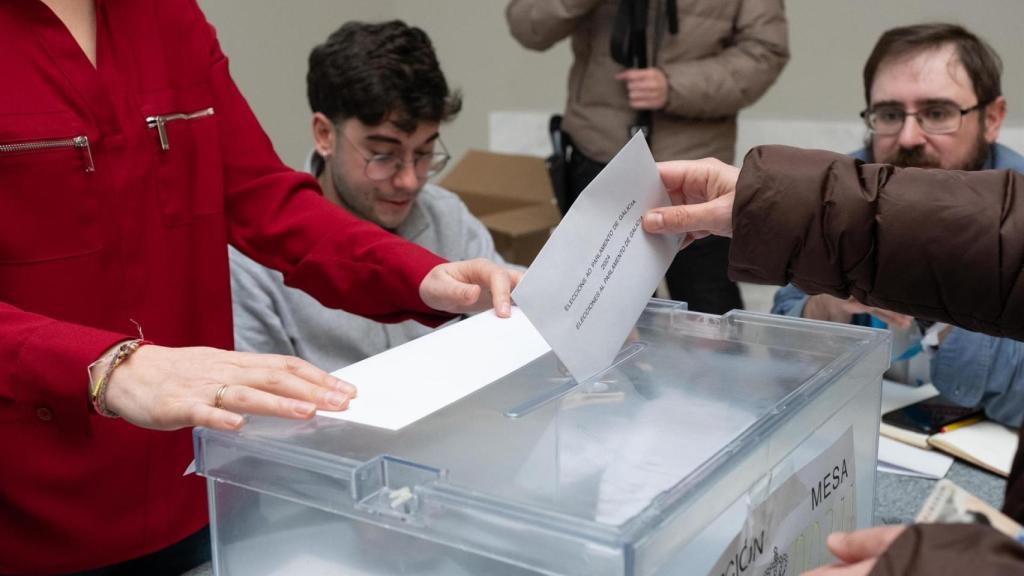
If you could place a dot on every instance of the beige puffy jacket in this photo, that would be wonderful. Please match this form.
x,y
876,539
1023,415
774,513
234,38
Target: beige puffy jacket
x,y
726,54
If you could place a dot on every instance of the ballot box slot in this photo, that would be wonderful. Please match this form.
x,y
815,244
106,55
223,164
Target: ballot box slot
x,y
592,385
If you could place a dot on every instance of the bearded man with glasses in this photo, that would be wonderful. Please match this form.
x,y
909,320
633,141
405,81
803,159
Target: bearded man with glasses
x,y
934,100
378,98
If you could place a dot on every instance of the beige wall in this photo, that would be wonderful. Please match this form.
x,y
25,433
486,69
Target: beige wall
x,y
831,39
268,42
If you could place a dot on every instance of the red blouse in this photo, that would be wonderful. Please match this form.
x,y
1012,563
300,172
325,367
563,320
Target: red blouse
x,y
120,188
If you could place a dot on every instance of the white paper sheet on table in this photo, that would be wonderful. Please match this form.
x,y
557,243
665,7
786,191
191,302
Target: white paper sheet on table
x,y
406,383
591,281
900,451
896,395
899,458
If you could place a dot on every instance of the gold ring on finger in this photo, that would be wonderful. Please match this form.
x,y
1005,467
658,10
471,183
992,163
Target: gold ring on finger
x,y
219,402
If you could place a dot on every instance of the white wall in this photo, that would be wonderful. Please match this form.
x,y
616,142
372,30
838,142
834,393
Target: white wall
x,y
831,39
268,42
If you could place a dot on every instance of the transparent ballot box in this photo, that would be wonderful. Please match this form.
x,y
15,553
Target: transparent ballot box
x,y
715,445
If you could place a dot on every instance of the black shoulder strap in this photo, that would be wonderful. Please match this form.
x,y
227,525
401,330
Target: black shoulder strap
x,y
629,34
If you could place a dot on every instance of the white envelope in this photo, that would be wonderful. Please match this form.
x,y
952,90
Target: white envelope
x,y
591,281
399,386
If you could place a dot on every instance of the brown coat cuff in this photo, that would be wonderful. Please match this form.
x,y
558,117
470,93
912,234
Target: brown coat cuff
x,y
951,550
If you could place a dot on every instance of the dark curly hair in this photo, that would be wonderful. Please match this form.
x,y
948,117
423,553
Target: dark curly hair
x,y
376,72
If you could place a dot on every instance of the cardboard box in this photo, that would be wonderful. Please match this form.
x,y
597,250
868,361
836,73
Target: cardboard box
x,y
512,196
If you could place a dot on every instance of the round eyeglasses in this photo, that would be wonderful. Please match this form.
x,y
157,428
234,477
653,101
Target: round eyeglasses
x,y
940,118
385,166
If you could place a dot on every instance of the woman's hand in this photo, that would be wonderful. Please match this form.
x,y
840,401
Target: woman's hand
x,y
168,388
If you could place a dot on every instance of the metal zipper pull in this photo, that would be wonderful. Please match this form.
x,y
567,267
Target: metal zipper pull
x,y
160,123
82,143
76,142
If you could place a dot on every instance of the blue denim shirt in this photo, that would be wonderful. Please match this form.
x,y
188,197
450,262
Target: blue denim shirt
x,y
969,368
999,158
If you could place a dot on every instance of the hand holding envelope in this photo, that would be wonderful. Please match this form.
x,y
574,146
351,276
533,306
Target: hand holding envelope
x,y
582,296
702,193
591,281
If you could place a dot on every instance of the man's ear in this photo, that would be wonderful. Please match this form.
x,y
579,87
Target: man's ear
x,y
323,135
995,113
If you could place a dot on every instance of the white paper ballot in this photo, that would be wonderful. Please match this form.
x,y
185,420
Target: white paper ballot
x,y
401,385
899,458
591,281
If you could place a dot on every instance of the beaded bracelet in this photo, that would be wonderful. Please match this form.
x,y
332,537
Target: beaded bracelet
x,y
98,390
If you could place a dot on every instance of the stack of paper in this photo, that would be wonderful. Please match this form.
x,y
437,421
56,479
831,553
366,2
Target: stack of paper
x,y
899,458
902,451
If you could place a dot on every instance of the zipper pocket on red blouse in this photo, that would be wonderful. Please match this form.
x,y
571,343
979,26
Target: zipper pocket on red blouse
x,y
160,123
76,143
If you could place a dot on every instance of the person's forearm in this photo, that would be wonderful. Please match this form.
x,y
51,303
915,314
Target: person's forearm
x,y
817,308
824,234
539,24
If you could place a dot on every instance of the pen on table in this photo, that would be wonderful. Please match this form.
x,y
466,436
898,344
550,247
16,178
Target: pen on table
x,y
961,423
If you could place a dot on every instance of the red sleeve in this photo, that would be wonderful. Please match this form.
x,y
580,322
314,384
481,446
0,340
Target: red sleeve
x,y
277,217
43,361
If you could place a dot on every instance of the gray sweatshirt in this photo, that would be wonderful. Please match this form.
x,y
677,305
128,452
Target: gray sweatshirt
x,y
274,318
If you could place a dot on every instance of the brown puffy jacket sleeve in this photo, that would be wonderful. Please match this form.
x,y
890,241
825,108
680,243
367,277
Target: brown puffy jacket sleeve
x,y
951,549
936,244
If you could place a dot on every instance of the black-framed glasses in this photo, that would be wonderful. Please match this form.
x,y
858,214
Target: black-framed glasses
x,y
939,118
385,166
